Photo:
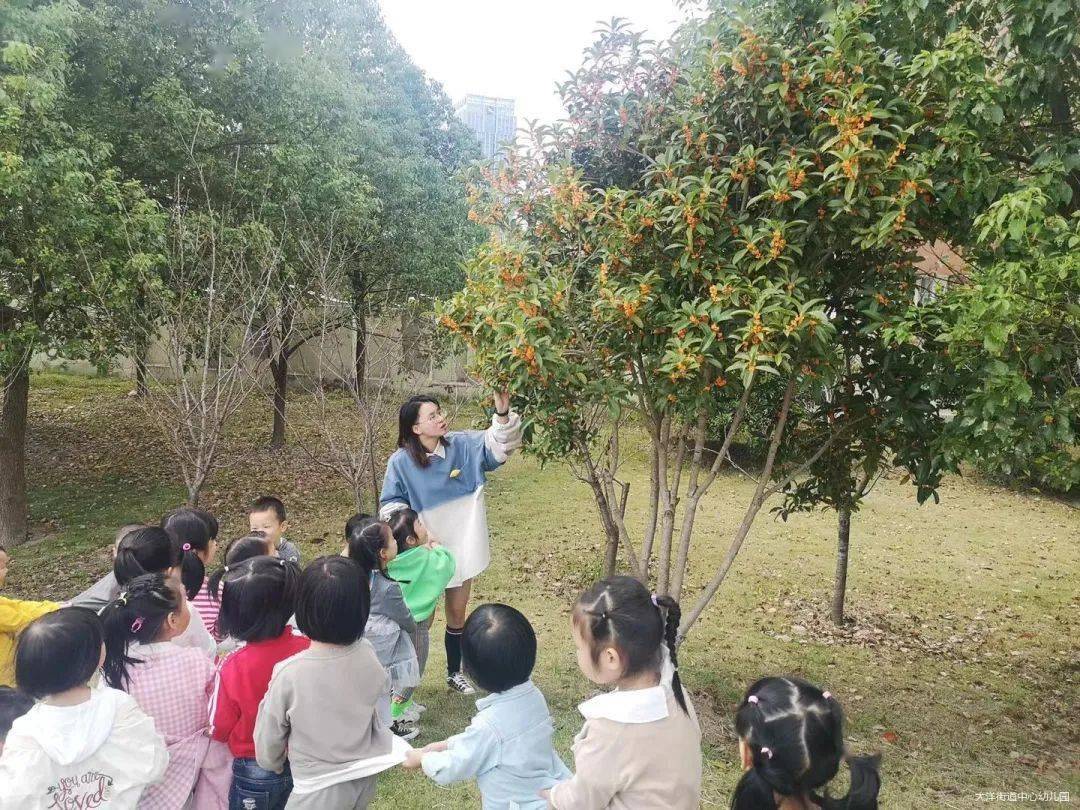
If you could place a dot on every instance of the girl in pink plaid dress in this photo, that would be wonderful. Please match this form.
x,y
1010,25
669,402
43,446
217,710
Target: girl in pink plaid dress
x,y
171,684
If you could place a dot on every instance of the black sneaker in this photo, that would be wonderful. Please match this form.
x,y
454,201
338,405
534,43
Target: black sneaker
x,y
404,729
458,683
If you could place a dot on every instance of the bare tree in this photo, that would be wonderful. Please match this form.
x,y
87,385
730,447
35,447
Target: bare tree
x,y
344,427
207,318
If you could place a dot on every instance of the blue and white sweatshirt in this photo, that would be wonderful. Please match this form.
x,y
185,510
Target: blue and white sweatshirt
x,y
448,494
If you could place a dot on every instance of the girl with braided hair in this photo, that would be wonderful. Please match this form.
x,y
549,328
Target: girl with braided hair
x,y
620,632
171,684
791,740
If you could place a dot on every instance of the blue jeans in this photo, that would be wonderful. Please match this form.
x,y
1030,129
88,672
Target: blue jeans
x,y
256,789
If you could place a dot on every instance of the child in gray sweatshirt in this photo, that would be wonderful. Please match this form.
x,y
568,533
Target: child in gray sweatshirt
x,y
320,711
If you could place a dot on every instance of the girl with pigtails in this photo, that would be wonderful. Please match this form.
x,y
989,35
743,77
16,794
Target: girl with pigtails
x,y
791,741
620,633
171,684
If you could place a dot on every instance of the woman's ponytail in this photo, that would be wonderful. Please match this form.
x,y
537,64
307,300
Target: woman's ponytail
x,y
672,618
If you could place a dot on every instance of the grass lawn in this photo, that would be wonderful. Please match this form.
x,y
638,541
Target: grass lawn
x,y
960,666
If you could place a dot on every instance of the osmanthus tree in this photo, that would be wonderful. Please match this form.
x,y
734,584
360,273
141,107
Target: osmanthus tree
x,y
696,227
67,225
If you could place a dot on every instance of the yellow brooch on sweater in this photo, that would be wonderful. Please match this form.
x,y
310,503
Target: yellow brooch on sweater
x,y
455,473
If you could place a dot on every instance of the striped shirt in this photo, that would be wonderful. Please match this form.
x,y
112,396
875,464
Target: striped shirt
x,y
208,608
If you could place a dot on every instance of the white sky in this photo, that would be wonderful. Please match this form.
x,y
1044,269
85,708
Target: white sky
x,y
514,49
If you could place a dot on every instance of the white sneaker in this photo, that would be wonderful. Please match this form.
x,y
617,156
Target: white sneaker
x,y
458,683
405,730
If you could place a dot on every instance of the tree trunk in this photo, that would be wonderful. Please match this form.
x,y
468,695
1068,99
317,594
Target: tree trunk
x,y
279,368
141,386
360,361
14,526
840,586
752,510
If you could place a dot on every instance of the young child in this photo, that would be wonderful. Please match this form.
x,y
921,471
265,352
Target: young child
x,y
390,625
258,596
151,550
243,548
791,741
321,708
640,746
171,684
267,515
422,569
13,705
195,532
15,614
76,747
105,589
507,747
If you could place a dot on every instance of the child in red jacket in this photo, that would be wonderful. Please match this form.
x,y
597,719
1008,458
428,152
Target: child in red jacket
x,y
258,597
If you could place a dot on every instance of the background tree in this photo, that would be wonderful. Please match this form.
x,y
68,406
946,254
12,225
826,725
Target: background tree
x,y
317,112
67,219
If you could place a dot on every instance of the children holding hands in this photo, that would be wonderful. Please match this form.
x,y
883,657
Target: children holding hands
x,y
301,716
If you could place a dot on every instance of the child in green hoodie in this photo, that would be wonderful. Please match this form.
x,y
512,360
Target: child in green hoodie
x,y
422,568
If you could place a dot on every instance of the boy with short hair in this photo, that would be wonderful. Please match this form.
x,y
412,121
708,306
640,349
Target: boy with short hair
x,y
507,748
267,515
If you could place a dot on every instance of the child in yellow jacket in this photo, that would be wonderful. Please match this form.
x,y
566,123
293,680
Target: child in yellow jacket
x,y
15,614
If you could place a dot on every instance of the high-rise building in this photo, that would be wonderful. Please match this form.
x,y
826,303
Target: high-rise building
x,y
492,120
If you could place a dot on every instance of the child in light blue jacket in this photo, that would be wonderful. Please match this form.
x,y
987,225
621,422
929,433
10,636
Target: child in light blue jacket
x,y
507,748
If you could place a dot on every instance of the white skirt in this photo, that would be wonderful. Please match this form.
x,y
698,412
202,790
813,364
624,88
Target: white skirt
x,y
461,527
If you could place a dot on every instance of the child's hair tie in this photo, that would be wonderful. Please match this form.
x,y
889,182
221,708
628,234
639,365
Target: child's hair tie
x,y
655,600
753,699
187,546
136,625
826,695
766,752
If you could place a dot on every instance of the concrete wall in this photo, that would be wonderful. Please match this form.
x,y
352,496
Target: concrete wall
x,y
391,356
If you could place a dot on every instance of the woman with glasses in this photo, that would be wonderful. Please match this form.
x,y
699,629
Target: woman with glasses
x,y
441,475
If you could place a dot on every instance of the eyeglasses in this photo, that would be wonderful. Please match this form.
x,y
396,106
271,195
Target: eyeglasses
x,y
436,416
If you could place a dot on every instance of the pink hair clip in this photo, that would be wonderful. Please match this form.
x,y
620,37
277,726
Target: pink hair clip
x,y
136,625
187,546
766,752
752,699
827,695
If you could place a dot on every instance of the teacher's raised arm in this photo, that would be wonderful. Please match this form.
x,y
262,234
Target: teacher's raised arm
x,y
441,475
